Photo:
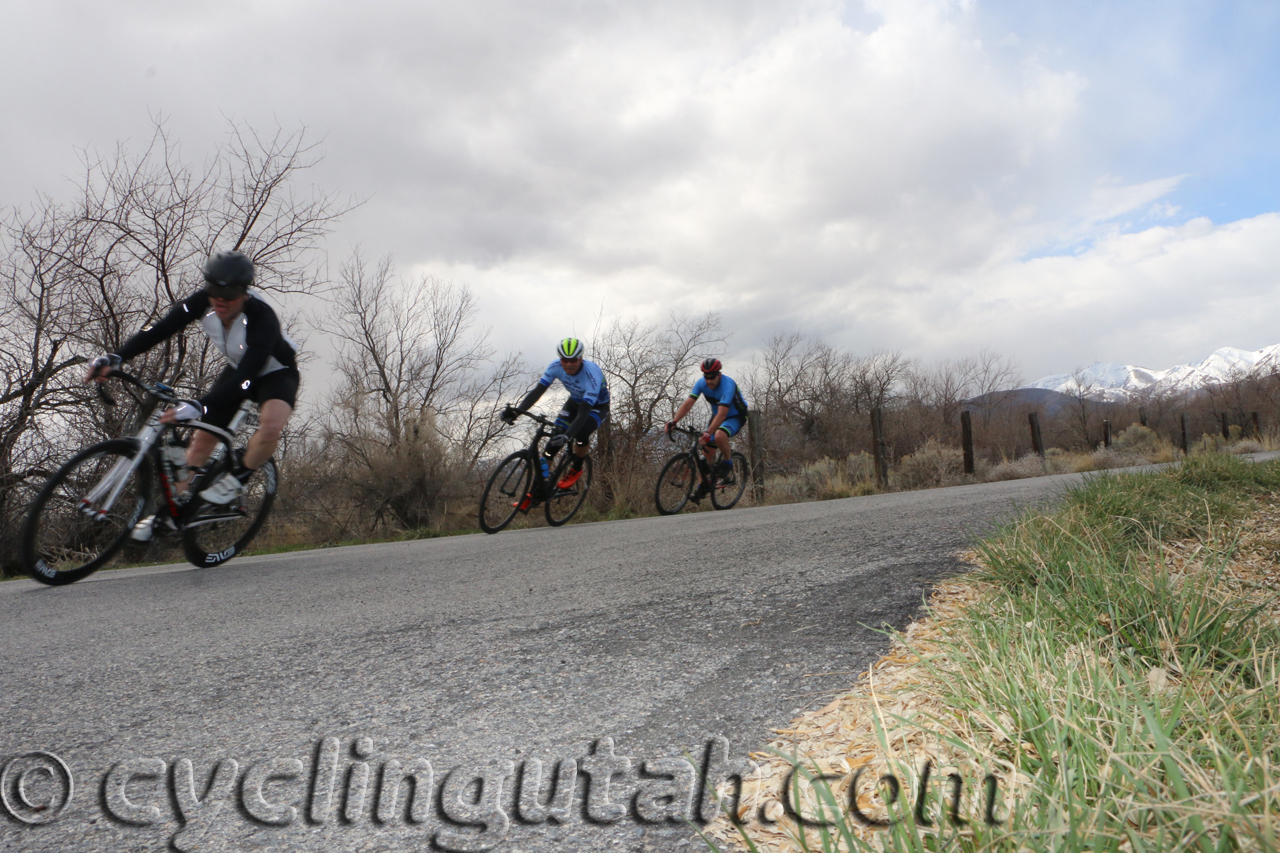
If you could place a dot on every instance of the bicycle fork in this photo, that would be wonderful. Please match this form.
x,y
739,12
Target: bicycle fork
x,y
114,481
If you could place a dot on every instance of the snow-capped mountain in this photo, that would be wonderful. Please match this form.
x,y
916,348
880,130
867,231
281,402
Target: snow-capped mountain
x,y
1117,382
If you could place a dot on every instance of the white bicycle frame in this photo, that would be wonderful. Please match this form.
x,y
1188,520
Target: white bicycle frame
x,y
114,481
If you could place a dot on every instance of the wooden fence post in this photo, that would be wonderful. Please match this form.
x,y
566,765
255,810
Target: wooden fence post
x,y
879,450
753,448
966,440
1106,433
1186,436
1037,442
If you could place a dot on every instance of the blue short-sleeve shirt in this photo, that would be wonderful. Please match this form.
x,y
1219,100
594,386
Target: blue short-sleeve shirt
x,y
586,386
726,395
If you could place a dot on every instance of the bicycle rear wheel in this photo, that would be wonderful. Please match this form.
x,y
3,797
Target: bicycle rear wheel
x,y
505,491
728,491
563,503
675,484
84,513
215,533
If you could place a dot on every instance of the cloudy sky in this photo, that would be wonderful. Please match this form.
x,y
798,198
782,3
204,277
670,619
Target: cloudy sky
x,y
1061,183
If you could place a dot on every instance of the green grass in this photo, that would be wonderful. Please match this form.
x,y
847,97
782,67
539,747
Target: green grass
x,y
1135,695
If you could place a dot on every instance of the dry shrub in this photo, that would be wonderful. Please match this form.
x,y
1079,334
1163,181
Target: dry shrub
x,y
1137,440
931,466
1030,465
827,479
1101,460
1246,446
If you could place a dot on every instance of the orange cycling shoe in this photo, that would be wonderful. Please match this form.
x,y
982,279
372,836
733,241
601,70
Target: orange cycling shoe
x,y
570,477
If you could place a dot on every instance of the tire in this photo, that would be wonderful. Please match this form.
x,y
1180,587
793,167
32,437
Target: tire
x,y
60,543
563,504
507,486
675,484
727,492
214,534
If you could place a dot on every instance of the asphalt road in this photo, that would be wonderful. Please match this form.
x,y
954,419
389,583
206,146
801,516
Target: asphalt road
x,y
269,704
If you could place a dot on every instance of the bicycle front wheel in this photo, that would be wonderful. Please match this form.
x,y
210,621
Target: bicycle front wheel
x,y
216,533
563,501
505,491
675,484
84,513
727,491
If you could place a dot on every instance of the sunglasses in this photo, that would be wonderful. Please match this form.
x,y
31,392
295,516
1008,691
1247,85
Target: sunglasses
x,y
715,375
570,360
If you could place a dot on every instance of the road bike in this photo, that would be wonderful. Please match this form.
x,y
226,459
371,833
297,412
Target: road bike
x,y
519,483
688,468
85,512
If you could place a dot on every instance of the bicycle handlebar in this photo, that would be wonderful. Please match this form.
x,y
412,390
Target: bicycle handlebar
x,y
159,390
545,421
692,433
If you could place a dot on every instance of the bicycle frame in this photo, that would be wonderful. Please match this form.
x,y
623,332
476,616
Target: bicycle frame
x,y
695,452
115,480
546,429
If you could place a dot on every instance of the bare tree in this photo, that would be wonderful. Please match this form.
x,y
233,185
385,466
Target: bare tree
x,y
935,395
414,408
1083,406
78,279
814,398
648,368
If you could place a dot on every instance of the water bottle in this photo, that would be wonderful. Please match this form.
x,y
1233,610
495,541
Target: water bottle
x,y
546,468
177,456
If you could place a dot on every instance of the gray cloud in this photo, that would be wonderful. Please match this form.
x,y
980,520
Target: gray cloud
x,y
875,173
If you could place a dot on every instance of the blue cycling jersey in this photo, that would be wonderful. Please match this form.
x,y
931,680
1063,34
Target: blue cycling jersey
x,y
585,386
726,395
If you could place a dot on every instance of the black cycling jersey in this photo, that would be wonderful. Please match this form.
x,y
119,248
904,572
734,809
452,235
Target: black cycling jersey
x,y
254,345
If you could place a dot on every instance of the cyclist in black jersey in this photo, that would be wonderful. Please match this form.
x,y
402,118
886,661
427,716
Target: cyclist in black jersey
x,y
262,366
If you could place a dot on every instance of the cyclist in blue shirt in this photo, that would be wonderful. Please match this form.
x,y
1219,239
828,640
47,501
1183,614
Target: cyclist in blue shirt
x,y
728,414
584,411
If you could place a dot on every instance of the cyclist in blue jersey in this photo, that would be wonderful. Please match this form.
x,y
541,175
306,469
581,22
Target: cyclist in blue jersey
x,y
728,415
584,411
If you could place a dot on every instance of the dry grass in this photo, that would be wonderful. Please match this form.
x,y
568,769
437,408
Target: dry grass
x,y
1095,745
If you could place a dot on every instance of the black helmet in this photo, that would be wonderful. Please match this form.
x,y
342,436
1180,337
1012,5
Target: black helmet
x,y
710,366
228,274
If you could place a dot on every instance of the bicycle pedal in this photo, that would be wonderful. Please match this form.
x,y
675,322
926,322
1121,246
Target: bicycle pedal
x,y
524,503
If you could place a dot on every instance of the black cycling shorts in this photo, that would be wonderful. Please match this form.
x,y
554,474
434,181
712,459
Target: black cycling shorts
x,y
277,385
597,416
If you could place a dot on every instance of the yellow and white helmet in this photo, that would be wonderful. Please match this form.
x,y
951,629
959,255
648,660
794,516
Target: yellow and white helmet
x,y
570,348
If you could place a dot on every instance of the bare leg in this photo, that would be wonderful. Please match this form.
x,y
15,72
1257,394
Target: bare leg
x,y
198,450
272,416
709,454
722,442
